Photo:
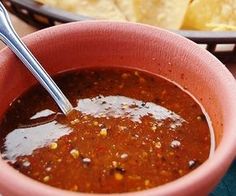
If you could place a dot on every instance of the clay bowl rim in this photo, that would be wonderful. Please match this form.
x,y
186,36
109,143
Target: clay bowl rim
x,y
213,164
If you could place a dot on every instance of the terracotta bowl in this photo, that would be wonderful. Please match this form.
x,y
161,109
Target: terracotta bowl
x,y
78,45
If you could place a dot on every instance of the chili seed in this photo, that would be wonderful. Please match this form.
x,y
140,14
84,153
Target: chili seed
x,y
124,156
114,163
158,144
118,176
154,127
53,146
46,178
74,153
95,123
146,182
73,122
103,132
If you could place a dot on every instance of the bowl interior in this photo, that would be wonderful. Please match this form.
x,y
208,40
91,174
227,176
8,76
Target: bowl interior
x,y
146,48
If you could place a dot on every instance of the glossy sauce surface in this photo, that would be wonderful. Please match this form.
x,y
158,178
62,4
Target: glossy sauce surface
x,y
130,131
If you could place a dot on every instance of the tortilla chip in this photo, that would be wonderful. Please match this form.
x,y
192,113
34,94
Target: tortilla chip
x,y
66,5
208,14
100,9
163,13
221,27
127,8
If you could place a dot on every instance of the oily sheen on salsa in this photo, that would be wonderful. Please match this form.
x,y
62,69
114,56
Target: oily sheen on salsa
x,y
130,131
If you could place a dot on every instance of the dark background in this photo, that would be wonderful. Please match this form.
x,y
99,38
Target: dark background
x,y
227,186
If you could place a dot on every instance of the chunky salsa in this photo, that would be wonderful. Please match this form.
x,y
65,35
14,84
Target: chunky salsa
x,y
130,131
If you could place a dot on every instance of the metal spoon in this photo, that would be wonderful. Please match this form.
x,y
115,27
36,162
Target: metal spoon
x,y
9,36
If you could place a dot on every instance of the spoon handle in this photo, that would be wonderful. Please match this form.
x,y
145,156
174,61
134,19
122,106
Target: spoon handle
x,y
9,36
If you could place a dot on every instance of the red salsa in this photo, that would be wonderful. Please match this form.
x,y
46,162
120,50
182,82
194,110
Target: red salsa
x,y
130,131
